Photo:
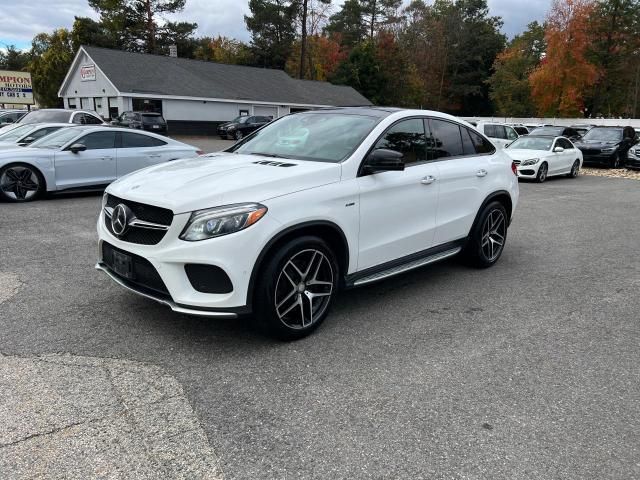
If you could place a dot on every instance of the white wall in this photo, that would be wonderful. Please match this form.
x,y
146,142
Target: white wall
x,y
93,88
633,122
198,110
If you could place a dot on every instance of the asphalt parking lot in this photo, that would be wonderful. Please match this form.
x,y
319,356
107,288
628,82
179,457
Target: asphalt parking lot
x,y
526,370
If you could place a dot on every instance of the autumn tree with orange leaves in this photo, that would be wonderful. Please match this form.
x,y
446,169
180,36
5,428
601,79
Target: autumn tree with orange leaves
x,y
565,76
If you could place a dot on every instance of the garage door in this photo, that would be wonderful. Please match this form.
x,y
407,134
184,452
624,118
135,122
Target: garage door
x,y
264,111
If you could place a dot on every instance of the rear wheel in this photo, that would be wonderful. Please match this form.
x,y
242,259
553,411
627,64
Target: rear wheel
x,y
575,170
488,236
297,288
542,173
20,183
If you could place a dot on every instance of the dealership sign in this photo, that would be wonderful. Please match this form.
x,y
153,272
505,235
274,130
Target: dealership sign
x,y
15,87
88,73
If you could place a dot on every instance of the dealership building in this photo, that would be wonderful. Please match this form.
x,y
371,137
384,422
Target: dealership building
x,y
194,96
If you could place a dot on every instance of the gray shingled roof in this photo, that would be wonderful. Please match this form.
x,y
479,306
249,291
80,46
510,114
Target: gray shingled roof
x,y
162,75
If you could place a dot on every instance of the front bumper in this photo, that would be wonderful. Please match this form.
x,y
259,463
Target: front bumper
x,y
235,254
528,171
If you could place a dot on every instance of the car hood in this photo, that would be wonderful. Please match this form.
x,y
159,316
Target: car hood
x,y
8,145
17,152
221,179
524,154
228,124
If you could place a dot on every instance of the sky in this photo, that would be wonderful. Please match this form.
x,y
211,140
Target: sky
x,y
214,17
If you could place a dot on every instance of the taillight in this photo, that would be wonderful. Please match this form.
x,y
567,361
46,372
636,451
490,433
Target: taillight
x,y
514,168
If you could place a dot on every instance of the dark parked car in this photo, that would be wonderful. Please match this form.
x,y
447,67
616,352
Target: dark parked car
x,y
521,129
567,132
582,129
152,122
607,145
242,126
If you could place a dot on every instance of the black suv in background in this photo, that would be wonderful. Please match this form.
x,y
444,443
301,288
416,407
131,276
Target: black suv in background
x,y
242,126
152,122
607,145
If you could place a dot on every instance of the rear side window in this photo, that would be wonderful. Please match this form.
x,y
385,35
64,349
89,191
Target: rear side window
x,y
445,140
481,144
98,140
42,132
135,140
91,120
407,137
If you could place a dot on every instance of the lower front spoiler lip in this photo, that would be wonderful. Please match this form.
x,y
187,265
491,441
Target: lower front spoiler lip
x,y
174,306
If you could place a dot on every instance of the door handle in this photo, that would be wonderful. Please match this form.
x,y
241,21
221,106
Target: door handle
x,y
155,156
481,173
106,158
428,180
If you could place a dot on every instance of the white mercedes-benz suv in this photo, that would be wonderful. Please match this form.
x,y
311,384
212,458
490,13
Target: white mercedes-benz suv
x,y
309,204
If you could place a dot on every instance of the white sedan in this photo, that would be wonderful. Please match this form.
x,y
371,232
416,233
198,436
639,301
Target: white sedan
x,y
538,157
82,157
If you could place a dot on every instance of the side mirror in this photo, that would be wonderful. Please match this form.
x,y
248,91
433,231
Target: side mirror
x,y
383,160
77,147
114,122
558,150
27,140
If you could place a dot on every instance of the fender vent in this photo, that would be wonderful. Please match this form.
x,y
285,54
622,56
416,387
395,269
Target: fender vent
x,y
275,164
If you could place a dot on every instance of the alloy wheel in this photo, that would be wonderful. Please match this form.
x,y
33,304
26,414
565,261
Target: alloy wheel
x,y
19,183
575,169
238,135
542,173
304,289
494,232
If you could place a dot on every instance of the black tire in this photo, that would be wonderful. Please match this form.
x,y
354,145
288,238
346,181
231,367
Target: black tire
x,y
282,304
20,182
575,170
542,172
475,251
239,135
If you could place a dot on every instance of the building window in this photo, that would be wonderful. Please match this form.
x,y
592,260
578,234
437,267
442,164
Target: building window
x,y
147,105
244,112
98,103
72,103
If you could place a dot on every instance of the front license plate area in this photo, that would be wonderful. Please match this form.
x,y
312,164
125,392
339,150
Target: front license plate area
x,y
123,265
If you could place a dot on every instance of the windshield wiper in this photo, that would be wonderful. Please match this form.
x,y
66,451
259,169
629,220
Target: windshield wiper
x,y
272,155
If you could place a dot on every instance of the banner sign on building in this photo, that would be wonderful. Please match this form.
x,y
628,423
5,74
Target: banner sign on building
x,y
87,73
15,87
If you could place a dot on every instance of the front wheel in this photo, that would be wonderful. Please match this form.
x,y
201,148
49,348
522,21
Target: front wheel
x,y
575,170
297,288
542,173
488,237
616,161
239,135
20,183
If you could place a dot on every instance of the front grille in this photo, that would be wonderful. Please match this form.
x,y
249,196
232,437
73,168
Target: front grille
x,y
148,213
144,274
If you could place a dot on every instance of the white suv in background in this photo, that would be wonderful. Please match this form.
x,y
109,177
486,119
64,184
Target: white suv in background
x,y
311,203
501,135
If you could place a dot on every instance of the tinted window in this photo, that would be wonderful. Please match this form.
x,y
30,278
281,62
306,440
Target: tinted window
x,y
511,133
566,144
90,119
604,134
41,133
445,140
481,144
407,137
152,119
467,143
98,140
134,140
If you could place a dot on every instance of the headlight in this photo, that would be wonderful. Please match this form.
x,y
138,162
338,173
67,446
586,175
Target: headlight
x,y
219,221
104,200
531,161
231,127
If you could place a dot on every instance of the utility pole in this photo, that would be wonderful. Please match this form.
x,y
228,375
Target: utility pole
x,y
303,46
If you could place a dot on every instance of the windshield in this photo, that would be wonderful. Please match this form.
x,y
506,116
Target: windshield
x,y
323,137
46,116
240,119
59,138
16,133
604,134
532,143
548,131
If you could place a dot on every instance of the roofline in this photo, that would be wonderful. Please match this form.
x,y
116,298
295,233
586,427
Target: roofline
x,y
73,67
223,100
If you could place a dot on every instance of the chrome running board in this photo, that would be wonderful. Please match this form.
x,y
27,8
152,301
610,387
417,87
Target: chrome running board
x,y
405,267
176,308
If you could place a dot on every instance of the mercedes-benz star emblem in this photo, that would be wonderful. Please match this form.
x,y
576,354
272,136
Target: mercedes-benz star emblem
x,y
120,219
